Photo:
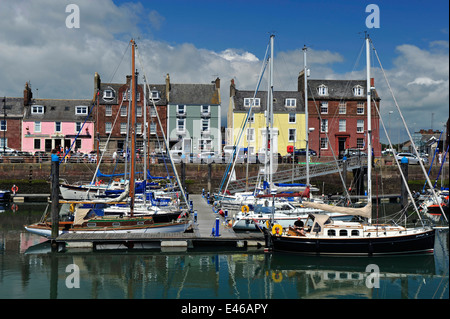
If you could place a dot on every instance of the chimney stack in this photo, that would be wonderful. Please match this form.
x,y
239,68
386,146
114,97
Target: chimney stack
x,y
168,87
232,88
27,95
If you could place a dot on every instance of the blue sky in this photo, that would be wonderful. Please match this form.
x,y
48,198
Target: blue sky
x,y
322,24
197,40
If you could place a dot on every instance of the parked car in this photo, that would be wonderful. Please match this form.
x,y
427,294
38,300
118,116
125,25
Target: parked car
x,y
412,159
302,151
349,152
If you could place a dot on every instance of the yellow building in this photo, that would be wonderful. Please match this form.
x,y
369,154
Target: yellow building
x,y
288,120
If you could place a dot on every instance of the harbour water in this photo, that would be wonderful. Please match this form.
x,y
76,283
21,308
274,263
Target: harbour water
x,y
29,270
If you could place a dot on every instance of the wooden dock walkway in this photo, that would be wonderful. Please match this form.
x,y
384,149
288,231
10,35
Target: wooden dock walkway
x,y
201,235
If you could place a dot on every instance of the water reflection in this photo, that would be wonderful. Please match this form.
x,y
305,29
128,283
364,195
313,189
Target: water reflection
x,y
28,269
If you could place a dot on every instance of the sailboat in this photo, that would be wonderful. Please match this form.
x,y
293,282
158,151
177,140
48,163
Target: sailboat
x,y
323,235
84,220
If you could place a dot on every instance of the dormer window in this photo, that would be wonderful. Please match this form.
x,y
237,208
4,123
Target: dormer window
x,y
290,102
127,94
81,110
322,90
248,102
155,94
37,109
108,95
358,91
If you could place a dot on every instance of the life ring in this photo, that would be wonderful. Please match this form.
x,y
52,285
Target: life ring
x,y
245,209
14,189
277,276
276,229
14,208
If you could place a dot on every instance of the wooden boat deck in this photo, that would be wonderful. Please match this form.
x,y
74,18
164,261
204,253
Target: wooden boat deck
x,y
201,233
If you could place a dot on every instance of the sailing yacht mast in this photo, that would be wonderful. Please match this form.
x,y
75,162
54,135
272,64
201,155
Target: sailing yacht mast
x,y
369,126
132,126
306,116
269,122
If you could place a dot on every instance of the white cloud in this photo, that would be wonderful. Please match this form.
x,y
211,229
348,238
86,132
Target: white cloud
x,y
425,81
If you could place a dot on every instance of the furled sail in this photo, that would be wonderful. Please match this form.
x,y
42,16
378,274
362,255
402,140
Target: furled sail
x,y
365,211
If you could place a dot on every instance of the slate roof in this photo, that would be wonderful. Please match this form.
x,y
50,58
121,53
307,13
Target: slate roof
x,y
13,107
196,94
338,89
278,103
58,110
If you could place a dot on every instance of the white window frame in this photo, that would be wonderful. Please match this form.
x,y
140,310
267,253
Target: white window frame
x,y
138,111
290,102
181,109
322,90
360,108
251,134
358,90
289,118
123,110
81,110
360,126
108,110
324,126
37,126
324,107
205,144
108,127
181,128
127,93
324,143
342,125
152,128
248,102
56,126
292,134
207,111
123,128
360,143
3,125
108,95
205,128
37,109
342,108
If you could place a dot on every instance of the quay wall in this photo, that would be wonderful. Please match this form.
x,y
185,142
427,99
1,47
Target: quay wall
x,y
34,177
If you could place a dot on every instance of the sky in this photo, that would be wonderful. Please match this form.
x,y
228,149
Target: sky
x,y
196,41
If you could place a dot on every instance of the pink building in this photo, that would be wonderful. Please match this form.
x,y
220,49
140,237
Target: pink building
x,y
50,123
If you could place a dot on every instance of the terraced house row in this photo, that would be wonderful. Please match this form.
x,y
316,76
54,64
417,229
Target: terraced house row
x,y
189,116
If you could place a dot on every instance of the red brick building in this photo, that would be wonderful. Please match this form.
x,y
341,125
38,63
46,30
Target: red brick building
x,y
11,114
337,110
112,114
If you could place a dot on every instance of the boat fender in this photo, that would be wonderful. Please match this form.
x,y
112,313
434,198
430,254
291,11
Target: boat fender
x,y
245,209
72,208
14,188
277,276
276,229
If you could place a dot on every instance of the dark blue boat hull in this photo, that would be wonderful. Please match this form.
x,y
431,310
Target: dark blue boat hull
x,y
408,244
